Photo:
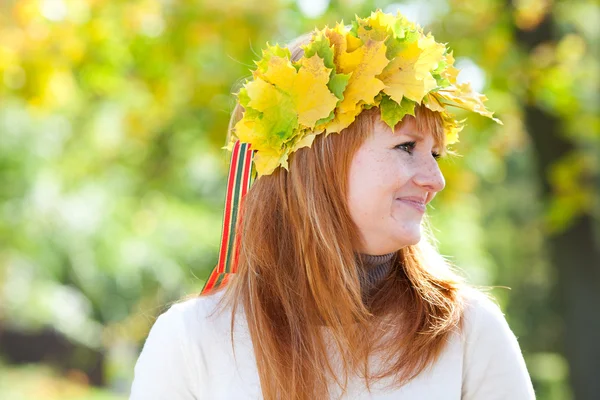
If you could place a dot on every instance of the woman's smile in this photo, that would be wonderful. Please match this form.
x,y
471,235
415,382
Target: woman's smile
x,y
417,203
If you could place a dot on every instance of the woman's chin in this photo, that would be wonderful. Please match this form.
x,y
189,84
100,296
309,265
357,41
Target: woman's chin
x,y
409,239
398,243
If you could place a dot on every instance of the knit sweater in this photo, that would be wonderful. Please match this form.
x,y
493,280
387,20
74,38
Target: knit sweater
x,y
188,356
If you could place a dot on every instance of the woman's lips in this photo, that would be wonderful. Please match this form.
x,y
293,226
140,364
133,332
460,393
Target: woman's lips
x,y
415,203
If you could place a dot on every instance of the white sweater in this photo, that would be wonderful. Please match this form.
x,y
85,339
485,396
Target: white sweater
x,y
188,356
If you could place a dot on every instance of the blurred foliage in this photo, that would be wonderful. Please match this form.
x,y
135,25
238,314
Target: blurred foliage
x,y
41,383
112,115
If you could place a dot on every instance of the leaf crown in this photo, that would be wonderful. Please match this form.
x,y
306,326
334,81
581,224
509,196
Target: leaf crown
x,y
381,61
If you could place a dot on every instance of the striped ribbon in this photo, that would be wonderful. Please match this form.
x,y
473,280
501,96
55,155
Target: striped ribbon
x,y
238,183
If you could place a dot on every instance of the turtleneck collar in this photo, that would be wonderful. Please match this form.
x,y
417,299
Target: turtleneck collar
x,y
370,261
374,269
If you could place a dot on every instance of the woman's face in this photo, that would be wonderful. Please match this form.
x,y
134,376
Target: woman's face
x,y
393,175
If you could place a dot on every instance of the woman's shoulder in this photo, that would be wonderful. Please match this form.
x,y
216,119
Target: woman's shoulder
x,y
481,310
493,365
194,315
171,358
484,327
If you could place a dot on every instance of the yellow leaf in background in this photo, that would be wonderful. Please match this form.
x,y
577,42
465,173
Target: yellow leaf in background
x,y
463,96
365,64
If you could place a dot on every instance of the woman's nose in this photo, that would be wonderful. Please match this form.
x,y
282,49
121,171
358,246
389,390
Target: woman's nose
x,y
429,176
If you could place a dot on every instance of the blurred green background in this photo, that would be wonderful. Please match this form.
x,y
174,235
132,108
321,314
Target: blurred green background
x,y
112,115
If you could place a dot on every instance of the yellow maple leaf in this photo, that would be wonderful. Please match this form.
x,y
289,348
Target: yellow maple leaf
x,y
337,38
381,26
452,127
402,79
306,140
374,27
311,95
262,94
463,96
431,54
266,162
244,131
352,43
365,63
450,72
409,73
433,103
281,100
342,120
277,121
307,87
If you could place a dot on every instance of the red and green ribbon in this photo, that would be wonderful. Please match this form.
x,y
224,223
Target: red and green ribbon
x,y
238,183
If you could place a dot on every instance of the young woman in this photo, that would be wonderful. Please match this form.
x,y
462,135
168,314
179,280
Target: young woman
x,y
327,285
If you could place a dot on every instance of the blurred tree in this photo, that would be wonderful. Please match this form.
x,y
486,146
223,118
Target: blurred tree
x,y
567,165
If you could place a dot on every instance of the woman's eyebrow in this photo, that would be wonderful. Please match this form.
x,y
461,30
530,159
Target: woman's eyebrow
x,y
414,134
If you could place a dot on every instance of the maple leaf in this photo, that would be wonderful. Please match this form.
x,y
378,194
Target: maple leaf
x,y
362,65
303,92
450,72
452,127
352,43
342,120
270,119
432,102
337,84
401,78
266,162
280,100
320,45
337,38
392,112
311,93
268,53
305,139
409,73
463,96
431,55
379,26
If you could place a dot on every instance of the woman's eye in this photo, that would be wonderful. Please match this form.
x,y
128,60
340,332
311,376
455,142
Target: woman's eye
x,y
407,147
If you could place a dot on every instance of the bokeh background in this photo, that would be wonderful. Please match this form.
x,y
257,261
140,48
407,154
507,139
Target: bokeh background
x,y
112,116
